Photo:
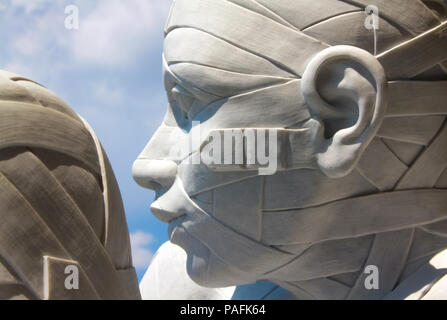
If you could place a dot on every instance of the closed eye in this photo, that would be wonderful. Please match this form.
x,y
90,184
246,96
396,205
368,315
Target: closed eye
x,y
183,98
188,103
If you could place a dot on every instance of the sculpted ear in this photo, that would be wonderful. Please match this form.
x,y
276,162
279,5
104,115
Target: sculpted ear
x,y
345,89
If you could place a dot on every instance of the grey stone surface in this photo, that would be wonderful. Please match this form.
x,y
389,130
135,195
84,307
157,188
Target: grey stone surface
x,y
60,205
361,147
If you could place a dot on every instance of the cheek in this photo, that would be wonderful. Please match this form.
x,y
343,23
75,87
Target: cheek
x,y
305,188
197,265
205,201
239,206
202,266
233,198
236,206
208,270
220,274
197,254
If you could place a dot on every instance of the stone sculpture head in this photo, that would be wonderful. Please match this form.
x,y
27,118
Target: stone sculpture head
x,y
356,113
59,202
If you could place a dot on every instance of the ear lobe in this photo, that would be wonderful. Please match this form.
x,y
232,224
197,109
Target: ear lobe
x,y
345,89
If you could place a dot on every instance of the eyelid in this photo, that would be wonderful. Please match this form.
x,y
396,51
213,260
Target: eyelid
x,y
172,79
183,98
197,107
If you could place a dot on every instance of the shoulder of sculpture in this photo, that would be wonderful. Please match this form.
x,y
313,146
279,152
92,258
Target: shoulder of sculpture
x,y
167,279
428,282
437,290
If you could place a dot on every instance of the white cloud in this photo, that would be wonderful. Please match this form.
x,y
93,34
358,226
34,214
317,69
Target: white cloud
x,y
30,5
27,44
116,30
105,71
113,33
18,68
141,255
34,39
141,238
107,93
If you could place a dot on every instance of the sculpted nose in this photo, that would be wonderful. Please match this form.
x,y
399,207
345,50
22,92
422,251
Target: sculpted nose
x,y
154,174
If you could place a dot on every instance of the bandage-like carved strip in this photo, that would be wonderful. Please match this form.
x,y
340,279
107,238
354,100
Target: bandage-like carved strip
x,y
412,16
187,45
394,244
281,189
246,197
63,217
14,291
438,229
427,169
370,214
25,125
20,222
11,287
408,60
84,188
324,288
416,130
55,281
223,83
45,97
426,244
410,98
424,173
339,30
406,152
391,168
311,12
257,7
265,44
341,256
327,20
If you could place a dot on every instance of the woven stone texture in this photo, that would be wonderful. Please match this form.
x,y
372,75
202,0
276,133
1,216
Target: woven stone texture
x,y
59,202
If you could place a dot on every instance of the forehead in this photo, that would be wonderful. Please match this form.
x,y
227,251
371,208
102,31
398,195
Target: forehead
x,y
251,42
204,61
202,48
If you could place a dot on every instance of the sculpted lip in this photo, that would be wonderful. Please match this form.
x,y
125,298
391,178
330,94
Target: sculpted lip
x,y
174,219
174,224
164,215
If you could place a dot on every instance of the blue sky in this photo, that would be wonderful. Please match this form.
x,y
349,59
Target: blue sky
x,y
109,71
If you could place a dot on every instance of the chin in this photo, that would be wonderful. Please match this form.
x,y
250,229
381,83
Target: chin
x,y
212,272
204,267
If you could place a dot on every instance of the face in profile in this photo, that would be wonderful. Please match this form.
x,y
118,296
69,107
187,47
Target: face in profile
x,y
207,209
325,106
213,85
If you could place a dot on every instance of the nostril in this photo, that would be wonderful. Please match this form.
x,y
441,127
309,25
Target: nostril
x,y
154,174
